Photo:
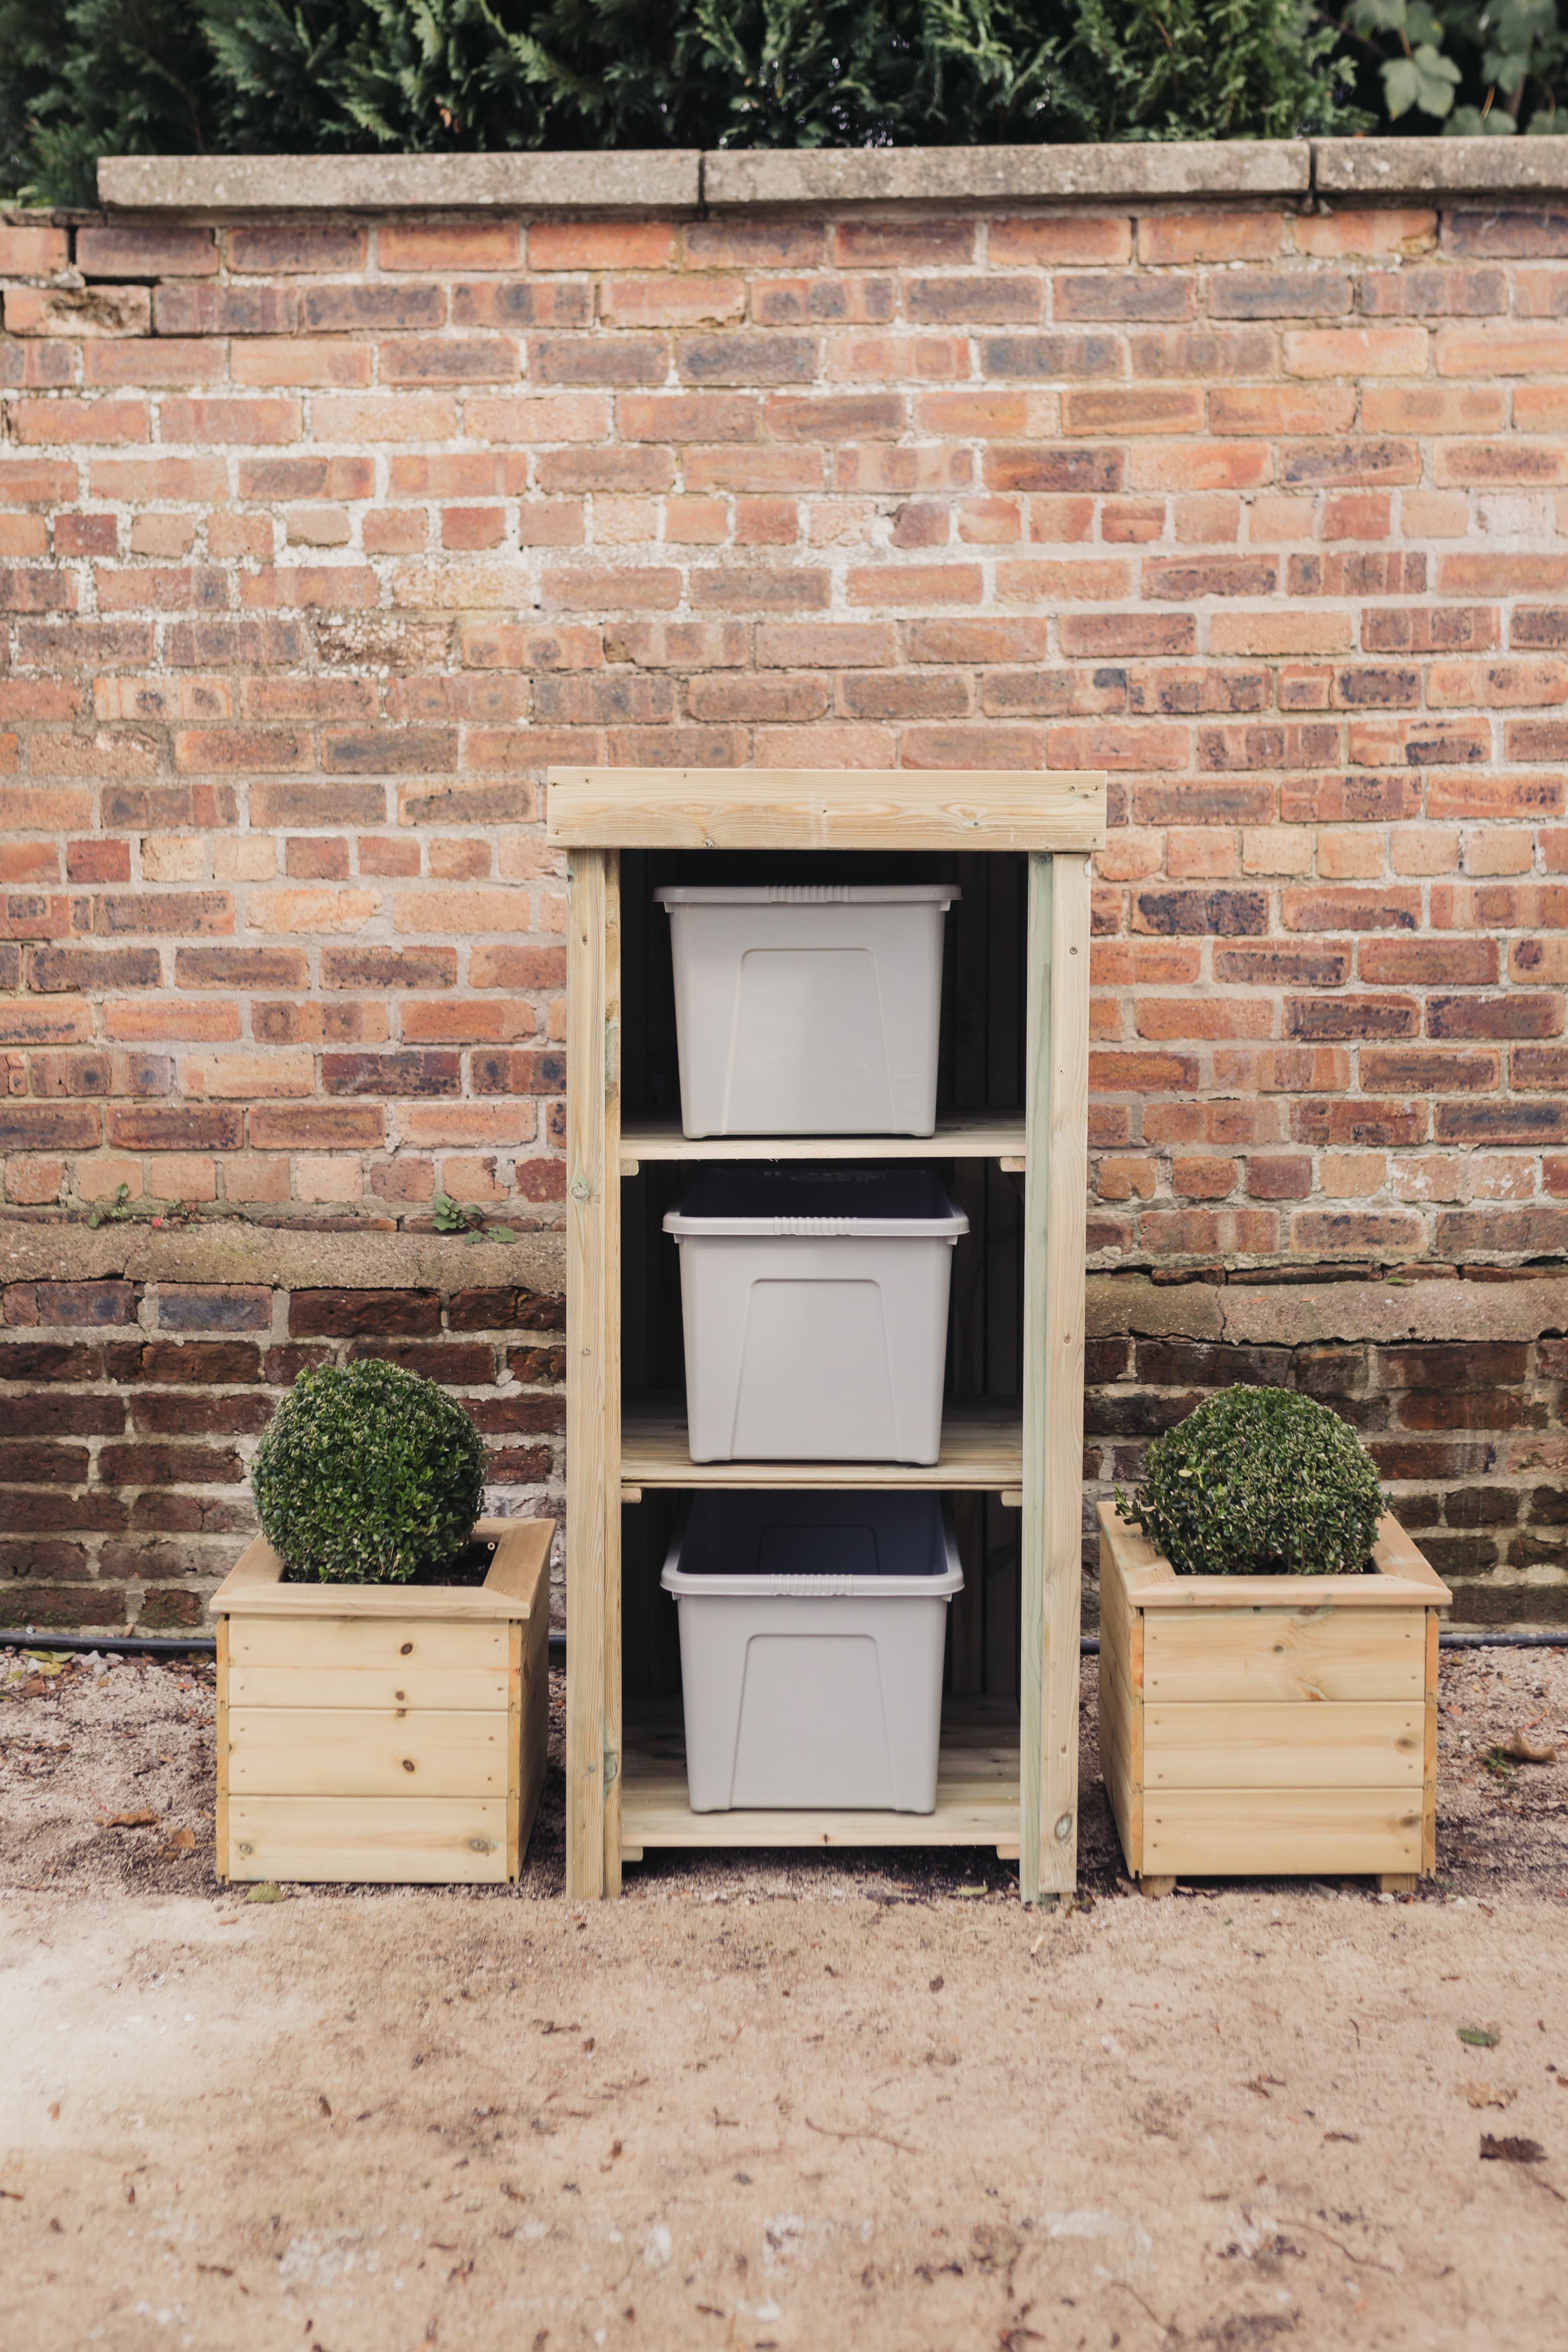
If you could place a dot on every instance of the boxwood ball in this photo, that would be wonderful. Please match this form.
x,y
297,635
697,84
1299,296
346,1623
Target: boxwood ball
x,y
1259,1482
367,1475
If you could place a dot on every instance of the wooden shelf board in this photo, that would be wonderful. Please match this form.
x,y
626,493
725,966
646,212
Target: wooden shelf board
x,y
982,1447
976,1793
810,809
978,1137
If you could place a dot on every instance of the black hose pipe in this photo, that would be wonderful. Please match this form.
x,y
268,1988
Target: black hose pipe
x,y
159,1646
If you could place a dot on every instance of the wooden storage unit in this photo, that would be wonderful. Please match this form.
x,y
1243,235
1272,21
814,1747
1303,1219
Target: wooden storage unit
x,y
1008,1779
1269,1726
383,1731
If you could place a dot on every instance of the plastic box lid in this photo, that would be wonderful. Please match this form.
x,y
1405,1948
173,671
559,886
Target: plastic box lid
x,y
873,1545
810,894
841,1203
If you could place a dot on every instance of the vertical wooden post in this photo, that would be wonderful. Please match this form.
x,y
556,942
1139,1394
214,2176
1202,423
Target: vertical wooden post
x,y
588,1470
1055,1114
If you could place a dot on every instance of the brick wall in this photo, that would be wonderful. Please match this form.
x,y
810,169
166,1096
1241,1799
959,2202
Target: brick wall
x,y
322,535
131,1405
1458,1391
320,539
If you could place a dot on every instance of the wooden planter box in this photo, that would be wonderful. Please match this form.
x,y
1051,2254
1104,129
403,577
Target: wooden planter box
x,y
383,1731
1269,1726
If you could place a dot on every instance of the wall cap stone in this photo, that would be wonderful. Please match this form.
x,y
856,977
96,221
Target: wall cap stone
x,y
655,180
1438,167
1290,1314
615,180
290,1261
910,174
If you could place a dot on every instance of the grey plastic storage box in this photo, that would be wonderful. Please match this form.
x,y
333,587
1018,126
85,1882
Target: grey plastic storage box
x,y
815,1311
808,1009
812,1634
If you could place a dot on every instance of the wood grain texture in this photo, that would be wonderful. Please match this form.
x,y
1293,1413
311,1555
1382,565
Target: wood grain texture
x,y
420,1840
295,1751
1400,1574
589,1465
307,1682
220,1734
373,1647
1276,1655
1056,1116
1348,1744
1429,1749
996,1137
1255,1832
981,1447
807,809
253,1587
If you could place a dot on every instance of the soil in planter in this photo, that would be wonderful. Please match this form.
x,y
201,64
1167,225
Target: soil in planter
x,y
471,1566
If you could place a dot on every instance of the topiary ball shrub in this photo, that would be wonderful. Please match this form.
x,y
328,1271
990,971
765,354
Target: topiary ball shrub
x,y
1258,1482
367,1475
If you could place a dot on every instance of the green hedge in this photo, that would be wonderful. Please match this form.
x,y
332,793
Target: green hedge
x,y
86,77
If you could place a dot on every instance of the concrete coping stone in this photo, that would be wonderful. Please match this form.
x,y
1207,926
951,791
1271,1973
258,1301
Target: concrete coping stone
x,y
615,180
239,1253
656,180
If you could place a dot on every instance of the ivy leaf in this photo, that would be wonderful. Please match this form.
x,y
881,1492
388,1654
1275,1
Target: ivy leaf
x,y
1376,15
1425,80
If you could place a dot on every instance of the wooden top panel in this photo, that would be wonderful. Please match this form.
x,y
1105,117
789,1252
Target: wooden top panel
x,y
517,1586
1403,1577
828,808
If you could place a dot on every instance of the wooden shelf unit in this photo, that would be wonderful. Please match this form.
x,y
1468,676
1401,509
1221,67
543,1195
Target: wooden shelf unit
x,y
623,1794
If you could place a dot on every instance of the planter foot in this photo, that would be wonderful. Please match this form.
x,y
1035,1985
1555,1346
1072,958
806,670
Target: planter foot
x,y
1397,1881
1156,1887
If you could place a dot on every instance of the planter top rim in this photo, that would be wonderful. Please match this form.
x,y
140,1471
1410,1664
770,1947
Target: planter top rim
x,y
1401,1577
518,1584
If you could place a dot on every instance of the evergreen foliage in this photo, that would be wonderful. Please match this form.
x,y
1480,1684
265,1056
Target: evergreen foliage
x,y
1259,1482
86,77
367,1475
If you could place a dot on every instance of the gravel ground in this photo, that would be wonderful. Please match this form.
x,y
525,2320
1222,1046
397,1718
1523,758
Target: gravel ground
x,y
84,1747
770,2104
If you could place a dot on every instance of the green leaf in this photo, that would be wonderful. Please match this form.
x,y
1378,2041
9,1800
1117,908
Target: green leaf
x,y
1481,2037
266,1890
1376,15
1425,80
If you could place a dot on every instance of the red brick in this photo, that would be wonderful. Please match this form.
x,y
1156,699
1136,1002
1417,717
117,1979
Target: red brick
x,y
290,248
1165,238
160,252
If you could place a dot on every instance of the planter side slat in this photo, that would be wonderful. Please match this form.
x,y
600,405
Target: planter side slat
x,y
1261,1833
418,1841
1354,1744
328,1751
1264,1654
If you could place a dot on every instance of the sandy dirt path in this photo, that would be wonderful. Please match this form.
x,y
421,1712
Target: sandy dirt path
x,y
372,2127
794,2103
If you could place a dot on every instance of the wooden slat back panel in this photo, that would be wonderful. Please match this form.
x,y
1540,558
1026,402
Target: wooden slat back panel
x,y
295,1751
387,1644
1281,1655
416,1840
1354,1744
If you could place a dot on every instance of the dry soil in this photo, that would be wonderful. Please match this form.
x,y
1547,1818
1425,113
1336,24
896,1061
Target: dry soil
x,y
761,2103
